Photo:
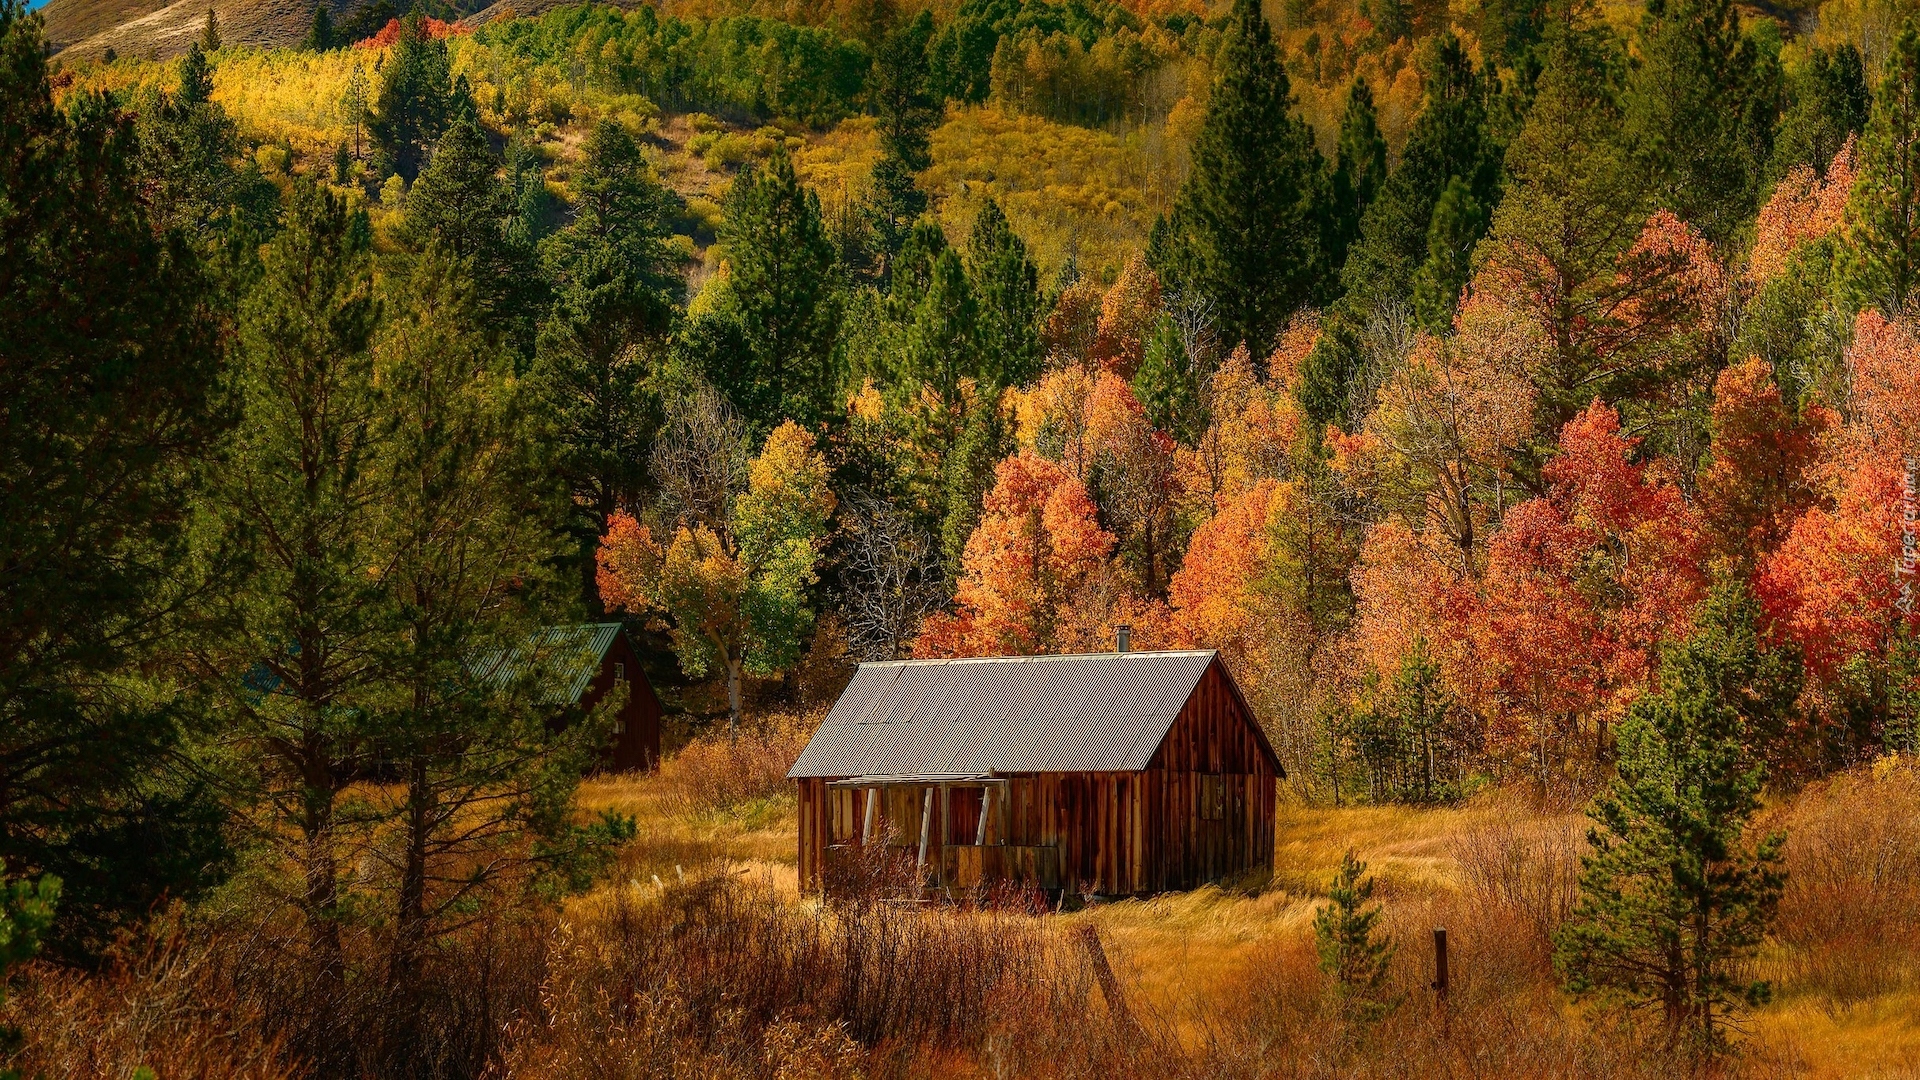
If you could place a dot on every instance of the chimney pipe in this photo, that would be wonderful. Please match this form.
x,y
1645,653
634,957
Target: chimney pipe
x,y
1122,637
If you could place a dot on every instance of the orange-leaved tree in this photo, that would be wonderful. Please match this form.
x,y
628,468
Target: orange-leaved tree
x,y
1253,430
1135,482
1759,479
1804,207
1038,554
1435,449
1835,585
1127,315
1584,585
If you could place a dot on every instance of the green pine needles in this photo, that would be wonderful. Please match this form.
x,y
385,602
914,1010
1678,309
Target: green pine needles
x,y
1350,951
1673,896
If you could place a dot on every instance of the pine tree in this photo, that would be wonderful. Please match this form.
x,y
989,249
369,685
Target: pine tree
x,y
1574,203
1343,934
1451,139
616,285
943,352
196,77
466,510
903,100
416,100
1006,285
1880,259
783,292
109,349
912,271
1168,384
295,500
462,205
1509,29
1829,102
187,146
210,33
966,477
1360,168
1699,114
458,201
1251,214
1673,897
322,37
1458,223
353,103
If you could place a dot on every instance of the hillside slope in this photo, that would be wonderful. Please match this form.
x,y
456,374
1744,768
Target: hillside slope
x,y
159,30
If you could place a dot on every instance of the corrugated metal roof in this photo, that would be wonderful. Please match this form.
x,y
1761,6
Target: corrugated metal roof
x,y
571,655
1097,712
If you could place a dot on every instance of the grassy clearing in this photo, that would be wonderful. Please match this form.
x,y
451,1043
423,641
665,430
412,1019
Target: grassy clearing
x,y
698,956
1498,872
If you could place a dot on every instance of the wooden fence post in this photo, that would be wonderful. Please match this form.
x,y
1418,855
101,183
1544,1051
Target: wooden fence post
x,y
1109,985
1440,962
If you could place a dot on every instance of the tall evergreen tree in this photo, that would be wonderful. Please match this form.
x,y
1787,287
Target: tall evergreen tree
x,y
1673,897
1006,285
322,37
900,90
462,205
943,346
458,200
108,351
1880,261
1251,213
1168,383
1401,247
1829,102
415,102
467,513
210,32
1360,168
1699,114
294,498
1452,138
966,477
783,291
1458,223
616,284
1574,204
196,77
913,269
187,146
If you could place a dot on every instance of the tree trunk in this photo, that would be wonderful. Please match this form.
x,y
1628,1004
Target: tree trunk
x,y
733,696
412,910
322,869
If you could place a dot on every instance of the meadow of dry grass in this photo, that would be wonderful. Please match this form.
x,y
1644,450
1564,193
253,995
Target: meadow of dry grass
x,y
699,956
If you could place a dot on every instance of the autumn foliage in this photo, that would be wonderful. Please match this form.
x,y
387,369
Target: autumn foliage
x,y
1831,586
1031,565
432,27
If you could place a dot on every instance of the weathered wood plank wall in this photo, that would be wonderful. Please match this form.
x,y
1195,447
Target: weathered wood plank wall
x,y
1202,811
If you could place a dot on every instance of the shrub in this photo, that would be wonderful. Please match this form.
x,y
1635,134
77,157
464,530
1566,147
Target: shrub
x,y
717,771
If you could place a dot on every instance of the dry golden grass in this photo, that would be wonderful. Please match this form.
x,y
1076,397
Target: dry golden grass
x,y
699,957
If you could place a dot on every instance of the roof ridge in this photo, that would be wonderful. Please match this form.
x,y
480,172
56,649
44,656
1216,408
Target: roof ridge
x,y
1047,713
1036,657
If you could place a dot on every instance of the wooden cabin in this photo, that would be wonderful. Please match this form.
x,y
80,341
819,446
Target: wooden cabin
x,y
1124,773
584,663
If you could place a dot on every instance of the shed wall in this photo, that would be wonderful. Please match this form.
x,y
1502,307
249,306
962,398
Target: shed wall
x,y
1115,832
636,744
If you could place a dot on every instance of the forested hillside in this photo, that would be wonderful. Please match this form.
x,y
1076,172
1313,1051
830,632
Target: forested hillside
x,y
1519,396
